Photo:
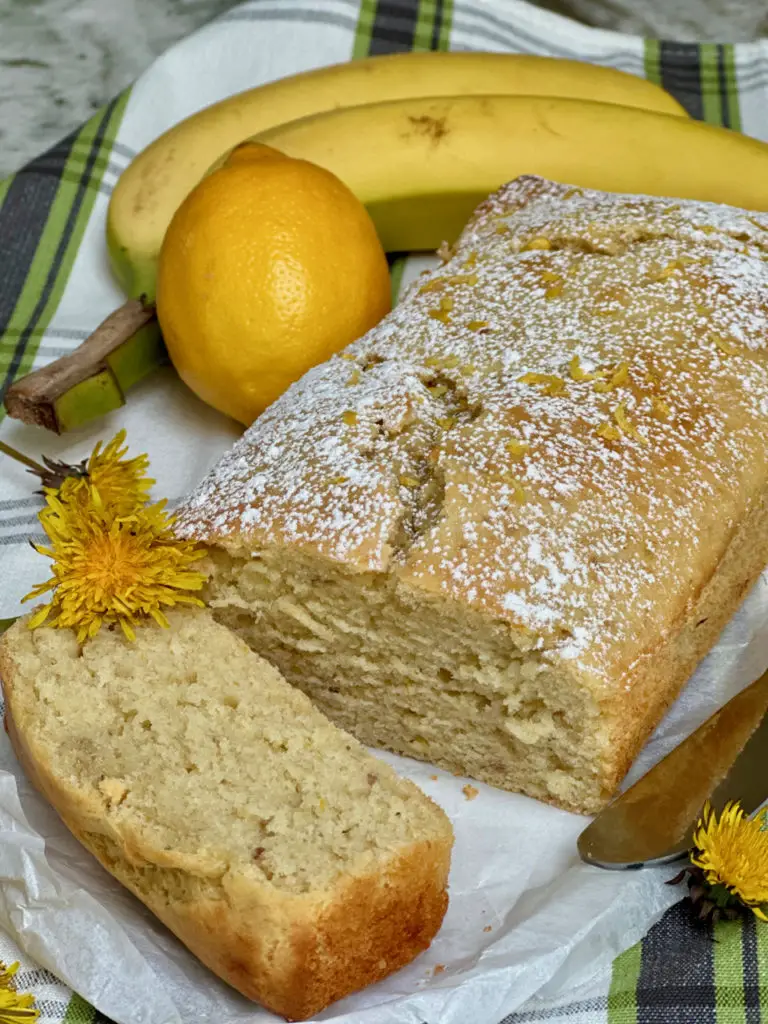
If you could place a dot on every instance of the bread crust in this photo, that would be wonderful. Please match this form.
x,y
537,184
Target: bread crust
x,y
295,954
658,676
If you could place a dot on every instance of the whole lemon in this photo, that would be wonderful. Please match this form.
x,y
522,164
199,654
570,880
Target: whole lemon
x,y
268,267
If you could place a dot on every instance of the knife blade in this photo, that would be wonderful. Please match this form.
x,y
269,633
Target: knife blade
x,y
654,820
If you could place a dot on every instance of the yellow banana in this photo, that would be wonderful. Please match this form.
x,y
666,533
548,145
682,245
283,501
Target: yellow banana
x,y
422,166
152,188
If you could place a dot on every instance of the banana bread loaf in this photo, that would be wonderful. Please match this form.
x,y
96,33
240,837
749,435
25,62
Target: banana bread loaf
x,y
499,531
290,861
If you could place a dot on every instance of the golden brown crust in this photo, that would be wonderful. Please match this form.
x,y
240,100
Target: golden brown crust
x,y
293,953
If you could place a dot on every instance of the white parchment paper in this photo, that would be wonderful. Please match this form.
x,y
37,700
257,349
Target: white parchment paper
x,y
525,915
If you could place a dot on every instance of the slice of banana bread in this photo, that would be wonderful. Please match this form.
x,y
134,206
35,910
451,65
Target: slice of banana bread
x,y
290,861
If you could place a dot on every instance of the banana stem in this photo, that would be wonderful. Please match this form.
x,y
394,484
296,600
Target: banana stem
x,y
25,460
41,398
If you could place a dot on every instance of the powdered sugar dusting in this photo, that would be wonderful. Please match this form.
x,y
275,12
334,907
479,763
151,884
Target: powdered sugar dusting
x,y
560,426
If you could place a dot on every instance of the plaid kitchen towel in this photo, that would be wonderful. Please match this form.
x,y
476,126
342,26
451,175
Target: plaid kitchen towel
x,y
51,235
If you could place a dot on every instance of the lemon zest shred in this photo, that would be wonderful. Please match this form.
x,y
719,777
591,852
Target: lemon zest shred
x,y
537,242
443,311
660,410
608,431
618,378
676,267
517,449
517,488
551,383
626,425
577,372
409,481
724,346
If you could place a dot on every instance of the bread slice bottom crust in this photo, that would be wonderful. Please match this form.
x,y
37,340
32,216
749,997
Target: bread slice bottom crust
x,y
412,672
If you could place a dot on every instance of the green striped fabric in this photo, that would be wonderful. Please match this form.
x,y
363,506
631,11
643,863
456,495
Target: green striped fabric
x,y
622,995
385,27
677,974
80,1012
701,76
757,970
52,198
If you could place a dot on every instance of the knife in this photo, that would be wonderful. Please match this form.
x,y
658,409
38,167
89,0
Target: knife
x,y
654,820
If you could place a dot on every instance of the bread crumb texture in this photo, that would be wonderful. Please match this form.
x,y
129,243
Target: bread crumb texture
x,y
201,748
468,535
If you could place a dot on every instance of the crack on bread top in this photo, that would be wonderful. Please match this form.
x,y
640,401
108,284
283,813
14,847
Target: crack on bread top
x,y
614,350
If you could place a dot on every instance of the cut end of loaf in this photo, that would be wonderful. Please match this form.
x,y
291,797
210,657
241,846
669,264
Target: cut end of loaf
x,y
293,863
422,677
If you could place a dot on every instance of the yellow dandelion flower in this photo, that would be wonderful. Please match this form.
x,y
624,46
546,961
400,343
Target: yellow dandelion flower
x,y
14,1006
62,515
122,484
110,569
732,852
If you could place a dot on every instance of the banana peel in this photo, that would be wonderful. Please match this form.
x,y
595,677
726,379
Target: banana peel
x,y
93,379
